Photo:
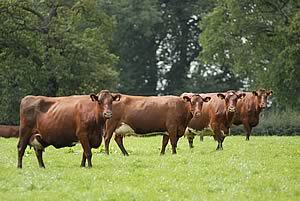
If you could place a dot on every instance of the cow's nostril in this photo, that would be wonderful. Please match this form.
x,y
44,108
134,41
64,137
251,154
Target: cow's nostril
x,y
107,114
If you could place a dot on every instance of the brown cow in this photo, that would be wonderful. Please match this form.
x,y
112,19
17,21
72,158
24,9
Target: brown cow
x,y
249,108
63,121
144,115
7,131
217,115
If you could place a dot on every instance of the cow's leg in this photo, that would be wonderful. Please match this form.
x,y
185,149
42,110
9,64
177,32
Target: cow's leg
x,y
25,134
222,140
201,137
87,151
218,137
83,160
173,140
107,136
39,155
248,129
190,138
119,141
164,144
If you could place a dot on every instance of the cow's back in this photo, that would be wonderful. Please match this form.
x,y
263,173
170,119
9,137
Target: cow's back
x,y
8,131
149,114
55,117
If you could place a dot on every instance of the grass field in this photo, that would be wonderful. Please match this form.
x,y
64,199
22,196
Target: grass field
x,y
265,168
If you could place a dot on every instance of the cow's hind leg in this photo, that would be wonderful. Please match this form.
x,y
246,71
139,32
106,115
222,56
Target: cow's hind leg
x,y
83,160
173,140
119,141
25,134
39,155
164,144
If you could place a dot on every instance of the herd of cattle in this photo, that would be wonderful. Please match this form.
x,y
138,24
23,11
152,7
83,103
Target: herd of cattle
x,y
63,121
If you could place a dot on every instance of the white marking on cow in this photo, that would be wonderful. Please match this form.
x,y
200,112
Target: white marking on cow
x,y
35,143
126,130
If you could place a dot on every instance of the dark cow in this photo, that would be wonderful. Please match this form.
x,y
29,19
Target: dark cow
x,y
7,131
249,108
217,116
63,121
144,115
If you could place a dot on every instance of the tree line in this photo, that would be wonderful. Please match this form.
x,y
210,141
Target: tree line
x,y
147,47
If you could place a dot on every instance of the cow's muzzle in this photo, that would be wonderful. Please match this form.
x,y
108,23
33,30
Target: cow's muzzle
x,y
107,115
197,114
231,109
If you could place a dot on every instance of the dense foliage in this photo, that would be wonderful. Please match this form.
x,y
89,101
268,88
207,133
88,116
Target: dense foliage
x,y
53,48
148,47
260,41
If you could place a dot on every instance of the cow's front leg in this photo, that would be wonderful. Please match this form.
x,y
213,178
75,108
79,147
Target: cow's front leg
x,y
87,152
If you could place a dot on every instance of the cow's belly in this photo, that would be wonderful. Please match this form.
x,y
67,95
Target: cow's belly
x,y
125,129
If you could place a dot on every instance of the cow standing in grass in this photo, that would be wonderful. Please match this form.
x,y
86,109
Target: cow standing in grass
x,y
249,108
8,131
143,115
216,117
63,121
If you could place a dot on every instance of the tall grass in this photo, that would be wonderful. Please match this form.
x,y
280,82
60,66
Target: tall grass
x,y
265,168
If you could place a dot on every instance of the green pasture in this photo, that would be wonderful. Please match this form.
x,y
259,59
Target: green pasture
x,y
264,168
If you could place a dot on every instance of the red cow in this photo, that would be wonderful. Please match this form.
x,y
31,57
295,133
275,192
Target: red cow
x,y
142,115
249,108
9,131
63,121
217,115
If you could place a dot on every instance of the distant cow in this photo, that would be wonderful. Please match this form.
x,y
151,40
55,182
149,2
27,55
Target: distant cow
x,y
143,115
63,121
217,115
249,108
9,131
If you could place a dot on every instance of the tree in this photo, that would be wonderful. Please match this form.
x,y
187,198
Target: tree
x,y
135,42
53,48
259,40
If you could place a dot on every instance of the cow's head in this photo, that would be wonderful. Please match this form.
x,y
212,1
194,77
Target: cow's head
x,y
196,102
105,99
261,96
231,97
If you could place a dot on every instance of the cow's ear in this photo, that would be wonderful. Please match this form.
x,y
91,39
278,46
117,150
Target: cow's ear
x,y
206,99
186,98
221,96
270,93
94,97
116,97
254,93
241,95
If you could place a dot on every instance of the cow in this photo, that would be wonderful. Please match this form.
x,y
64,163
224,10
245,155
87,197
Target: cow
x,y
63,121
154,114
216,117
8,131
249,108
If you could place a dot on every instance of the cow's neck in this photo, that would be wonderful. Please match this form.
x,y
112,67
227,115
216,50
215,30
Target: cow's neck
x,y
229,118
